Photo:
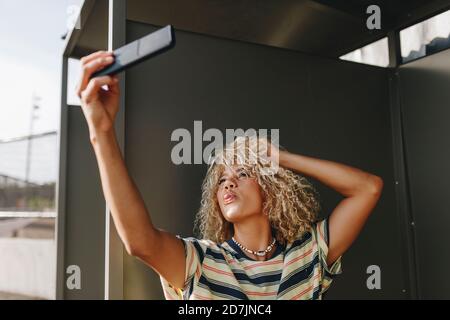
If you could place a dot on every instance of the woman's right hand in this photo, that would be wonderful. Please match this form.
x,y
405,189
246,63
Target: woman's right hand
x,y
161,250
99,105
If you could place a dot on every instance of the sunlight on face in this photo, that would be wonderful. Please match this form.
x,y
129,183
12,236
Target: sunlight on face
x,y
239,195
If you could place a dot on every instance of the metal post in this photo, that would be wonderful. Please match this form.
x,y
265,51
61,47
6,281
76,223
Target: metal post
x,y
401,183
60,195
34,107
113,243
395,55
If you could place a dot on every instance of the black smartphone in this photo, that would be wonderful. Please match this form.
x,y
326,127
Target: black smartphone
x,y
139,50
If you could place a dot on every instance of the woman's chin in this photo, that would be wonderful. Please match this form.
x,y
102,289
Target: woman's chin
x,y
232,213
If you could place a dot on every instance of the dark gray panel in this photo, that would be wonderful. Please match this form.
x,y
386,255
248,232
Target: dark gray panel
x,y
327,109
425,97
328,28
85,211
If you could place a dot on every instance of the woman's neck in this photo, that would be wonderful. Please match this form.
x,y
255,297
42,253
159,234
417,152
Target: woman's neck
x,y
254,234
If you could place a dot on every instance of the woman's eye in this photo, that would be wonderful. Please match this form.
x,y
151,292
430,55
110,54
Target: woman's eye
x,y
243,174
221,181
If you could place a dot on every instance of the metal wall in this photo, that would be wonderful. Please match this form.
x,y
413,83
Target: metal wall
x,y
84,218
425,94
324,108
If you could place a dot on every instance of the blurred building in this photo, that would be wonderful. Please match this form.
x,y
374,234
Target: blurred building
x,y
28,167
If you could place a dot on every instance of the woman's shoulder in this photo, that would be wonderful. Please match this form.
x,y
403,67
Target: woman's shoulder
x,y
200,243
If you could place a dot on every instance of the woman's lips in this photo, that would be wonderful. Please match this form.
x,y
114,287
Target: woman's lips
x,y
229,197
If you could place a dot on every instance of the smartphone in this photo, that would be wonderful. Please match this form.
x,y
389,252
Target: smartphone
x,y
139,50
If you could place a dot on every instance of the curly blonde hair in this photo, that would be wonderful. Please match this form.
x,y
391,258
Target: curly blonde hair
x,y
290,201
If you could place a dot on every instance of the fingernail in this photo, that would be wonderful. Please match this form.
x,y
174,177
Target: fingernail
x,y
109,59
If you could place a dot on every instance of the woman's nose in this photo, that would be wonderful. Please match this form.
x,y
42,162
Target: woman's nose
x,y
229,184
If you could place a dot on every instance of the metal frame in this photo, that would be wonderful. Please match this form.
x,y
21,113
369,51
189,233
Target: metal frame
x,y
113,251
395,56
74,34
402,190
61,185
27,214
60,196
113,243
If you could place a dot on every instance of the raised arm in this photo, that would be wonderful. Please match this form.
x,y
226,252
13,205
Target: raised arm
x,y
160,250
360,189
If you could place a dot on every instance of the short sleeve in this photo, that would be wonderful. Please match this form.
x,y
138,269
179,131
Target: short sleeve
x,y
322,236
194,253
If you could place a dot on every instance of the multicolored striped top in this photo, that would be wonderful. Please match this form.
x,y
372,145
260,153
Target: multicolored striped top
x,y
296,271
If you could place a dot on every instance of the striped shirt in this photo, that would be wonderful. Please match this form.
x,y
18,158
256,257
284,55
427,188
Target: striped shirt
x,y
296,271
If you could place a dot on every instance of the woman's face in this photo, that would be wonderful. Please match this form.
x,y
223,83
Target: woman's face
x,y
239,195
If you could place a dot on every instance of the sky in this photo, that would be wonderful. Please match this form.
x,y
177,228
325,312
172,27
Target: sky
x,y
30,62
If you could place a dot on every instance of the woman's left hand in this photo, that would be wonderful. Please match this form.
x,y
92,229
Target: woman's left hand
x,y
270,152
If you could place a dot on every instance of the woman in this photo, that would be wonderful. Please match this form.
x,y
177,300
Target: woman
x,y
260,236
